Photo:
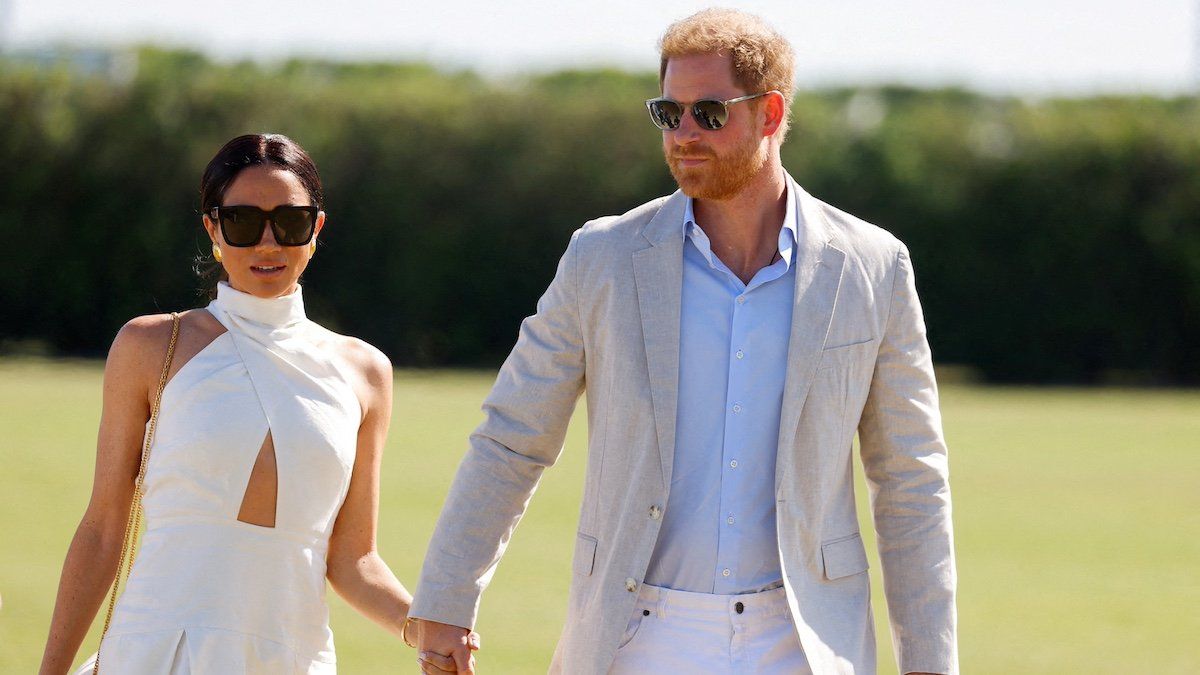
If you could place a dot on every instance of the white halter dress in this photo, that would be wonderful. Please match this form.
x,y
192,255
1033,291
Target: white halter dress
x,y
209,594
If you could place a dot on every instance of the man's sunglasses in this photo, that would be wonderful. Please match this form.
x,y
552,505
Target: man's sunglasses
x,y
710,114
243,226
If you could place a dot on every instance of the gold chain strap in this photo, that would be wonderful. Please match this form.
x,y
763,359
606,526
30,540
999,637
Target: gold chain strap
x,y
134,522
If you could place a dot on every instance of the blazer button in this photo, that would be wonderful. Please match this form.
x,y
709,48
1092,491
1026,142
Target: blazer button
x,y
630,585
655,512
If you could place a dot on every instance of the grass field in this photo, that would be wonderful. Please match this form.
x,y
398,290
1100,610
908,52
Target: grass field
x,y
1077,518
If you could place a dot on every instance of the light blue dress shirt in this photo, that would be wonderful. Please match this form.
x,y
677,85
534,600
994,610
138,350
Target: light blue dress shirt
x,y
718,530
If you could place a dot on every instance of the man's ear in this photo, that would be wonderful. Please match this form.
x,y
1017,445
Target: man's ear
x,y
773,110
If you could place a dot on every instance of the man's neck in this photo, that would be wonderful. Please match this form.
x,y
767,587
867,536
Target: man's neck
x,y
744,229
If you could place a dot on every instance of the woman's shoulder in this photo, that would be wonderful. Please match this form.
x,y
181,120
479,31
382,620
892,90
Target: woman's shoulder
x,y
137,351
143,341
375,366
363,358
143,331
153,328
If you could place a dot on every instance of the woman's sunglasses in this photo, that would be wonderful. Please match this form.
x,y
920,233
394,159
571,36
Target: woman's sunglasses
x,y
243,226
710,114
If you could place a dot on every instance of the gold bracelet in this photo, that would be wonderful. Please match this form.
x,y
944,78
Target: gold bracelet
x,y
404,632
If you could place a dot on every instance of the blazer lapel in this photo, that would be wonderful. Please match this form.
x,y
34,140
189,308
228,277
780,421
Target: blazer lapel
x,y
818,275
658,274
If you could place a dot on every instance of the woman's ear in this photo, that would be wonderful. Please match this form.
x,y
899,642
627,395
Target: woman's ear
x,y
210,227
320,224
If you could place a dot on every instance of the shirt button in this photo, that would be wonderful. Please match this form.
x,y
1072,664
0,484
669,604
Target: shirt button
x,y
725,572
740,353
733,463
655,512
737,408
729,520
741,300
631,585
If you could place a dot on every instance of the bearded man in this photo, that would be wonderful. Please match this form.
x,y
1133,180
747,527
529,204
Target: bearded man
x,y
732,338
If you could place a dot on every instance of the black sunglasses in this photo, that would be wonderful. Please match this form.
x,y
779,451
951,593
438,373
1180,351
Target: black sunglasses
x,y
243,226
710,114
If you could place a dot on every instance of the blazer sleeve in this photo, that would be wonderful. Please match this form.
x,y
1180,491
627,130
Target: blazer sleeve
x,y
905,462
525,422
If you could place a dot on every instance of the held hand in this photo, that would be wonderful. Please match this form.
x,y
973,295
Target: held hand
x,y
442,648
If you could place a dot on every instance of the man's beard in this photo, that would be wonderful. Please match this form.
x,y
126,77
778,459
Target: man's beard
x,y
720,177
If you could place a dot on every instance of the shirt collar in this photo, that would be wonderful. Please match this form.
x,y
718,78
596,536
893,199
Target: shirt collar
x,y
789,233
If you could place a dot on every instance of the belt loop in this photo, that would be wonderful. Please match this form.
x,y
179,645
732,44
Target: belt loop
x,y
660,607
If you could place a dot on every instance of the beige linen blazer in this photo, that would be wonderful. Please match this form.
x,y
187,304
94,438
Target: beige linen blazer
x,y
609,325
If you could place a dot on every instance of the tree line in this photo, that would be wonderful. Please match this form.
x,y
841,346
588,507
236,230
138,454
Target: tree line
x,y
1055,240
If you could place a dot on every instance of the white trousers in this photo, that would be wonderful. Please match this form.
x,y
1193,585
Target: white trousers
x,y
681,632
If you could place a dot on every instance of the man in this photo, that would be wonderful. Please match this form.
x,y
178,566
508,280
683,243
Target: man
x,y
731,339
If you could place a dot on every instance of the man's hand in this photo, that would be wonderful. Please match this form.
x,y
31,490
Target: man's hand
x,y
442,648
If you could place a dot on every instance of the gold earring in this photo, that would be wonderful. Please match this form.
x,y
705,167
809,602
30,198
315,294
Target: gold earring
x,y
216,252
312,248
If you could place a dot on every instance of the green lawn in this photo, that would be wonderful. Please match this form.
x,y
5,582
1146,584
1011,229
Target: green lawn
x,y
1077,518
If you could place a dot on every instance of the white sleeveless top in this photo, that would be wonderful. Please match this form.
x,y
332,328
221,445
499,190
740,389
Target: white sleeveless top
x,y
210,594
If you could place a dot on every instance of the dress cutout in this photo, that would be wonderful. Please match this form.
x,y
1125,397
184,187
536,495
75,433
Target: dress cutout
x,y
208,593
261,497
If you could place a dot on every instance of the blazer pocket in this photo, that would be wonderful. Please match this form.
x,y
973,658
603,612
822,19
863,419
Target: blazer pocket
x,y
843,354
847,345
843,557
585,554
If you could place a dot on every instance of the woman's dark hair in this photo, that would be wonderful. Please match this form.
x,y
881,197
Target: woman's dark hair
x,y
244,151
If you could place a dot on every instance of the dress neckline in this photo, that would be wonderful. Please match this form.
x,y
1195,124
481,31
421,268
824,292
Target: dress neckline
x,y
281,312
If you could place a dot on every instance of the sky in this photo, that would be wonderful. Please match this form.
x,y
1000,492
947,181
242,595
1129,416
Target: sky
x,y
1010,46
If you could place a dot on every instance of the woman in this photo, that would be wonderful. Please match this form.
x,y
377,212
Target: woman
x,y
263,477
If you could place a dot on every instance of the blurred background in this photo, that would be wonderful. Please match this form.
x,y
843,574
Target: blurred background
x,y
1041,160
